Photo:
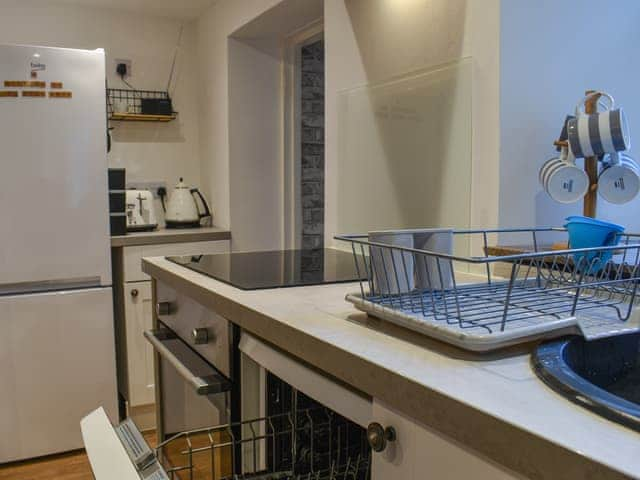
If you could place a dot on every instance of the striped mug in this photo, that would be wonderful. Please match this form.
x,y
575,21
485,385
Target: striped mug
x,y
562,179
598,133
619,180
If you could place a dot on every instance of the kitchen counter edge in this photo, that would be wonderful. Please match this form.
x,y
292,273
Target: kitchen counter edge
x,y
164,236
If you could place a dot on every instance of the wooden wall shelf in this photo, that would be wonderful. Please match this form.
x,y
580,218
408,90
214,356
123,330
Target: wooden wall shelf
x,y
139,117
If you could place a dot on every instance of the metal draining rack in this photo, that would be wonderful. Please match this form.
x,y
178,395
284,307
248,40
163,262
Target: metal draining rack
x,y
543,291
318,444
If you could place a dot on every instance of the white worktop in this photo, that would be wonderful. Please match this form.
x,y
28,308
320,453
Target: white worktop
x,y
305,319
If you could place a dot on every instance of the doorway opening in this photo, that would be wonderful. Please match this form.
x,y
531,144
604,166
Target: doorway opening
x,y
305,138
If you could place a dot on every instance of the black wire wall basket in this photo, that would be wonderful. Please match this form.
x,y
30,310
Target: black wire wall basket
x,y
139,105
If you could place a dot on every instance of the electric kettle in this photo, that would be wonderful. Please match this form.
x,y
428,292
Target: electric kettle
x,y
181,210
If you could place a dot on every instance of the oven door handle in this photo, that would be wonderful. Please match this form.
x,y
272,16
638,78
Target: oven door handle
x,y
203,377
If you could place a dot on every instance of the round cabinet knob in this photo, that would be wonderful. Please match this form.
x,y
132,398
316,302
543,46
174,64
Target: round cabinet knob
x,y
134,292
163,308
378,436
200,336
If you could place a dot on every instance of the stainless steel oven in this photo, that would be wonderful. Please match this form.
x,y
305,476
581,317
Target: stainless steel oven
x,y
195,364
231,406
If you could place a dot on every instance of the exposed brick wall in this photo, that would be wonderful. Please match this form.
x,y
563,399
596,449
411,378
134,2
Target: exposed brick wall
x,y
312,138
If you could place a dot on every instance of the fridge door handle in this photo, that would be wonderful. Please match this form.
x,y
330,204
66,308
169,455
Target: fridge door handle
x,y
54,285
203,377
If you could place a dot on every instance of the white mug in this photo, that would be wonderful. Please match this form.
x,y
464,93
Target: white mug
x,y
544,167
619,180
563,180
433,273
393,269
120,105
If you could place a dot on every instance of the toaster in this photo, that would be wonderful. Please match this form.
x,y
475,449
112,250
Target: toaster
x,y
140,212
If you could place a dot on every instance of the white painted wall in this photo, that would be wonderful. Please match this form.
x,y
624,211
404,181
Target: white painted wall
x,y
149,151
366,41
213,29
551,53
255,149
241,118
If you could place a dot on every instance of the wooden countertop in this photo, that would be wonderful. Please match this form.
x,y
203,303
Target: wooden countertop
x,y
503,250
165,235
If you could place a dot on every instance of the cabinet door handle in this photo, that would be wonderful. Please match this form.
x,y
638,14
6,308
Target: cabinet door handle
x,y
378,436
134,292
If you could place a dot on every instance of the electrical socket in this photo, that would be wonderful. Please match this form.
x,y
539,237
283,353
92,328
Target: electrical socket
x,y
151,186
127,62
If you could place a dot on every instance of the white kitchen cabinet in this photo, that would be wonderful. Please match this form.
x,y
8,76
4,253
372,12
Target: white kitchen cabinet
x,y
419,453
138,318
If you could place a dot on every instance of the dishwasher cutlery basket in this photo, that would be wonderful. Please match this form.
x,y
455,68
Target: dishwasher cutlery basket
x,y
545,293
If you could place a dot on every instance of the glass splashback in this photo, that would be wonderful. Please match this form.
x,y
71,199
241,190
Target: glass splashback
x,y
405,152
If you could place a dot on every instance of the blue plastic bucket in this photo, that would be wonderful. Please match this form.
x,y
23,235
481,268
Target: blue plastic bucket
x,y
585,232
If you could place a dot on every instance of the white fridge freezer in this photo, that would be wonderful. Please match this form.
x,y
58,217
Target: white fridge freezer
x,y
53,187
56,365
57,353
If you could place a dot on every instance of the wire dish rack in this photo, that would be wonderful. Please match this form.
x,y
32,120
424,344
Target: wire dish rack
x,y
546,292
310,444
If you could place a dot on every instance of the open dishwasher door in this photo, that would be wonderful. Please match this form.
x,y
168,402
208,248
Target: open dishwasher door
x,y
118,452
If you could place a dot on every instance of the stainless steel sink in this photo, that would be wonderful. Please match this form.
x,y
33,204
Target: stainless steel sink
x,y
602,375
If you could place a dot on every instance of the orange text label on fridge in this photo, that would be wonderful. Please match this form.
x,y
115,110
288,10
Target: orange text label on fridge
x,y
56,85
8,93
34,94
25,83
60,94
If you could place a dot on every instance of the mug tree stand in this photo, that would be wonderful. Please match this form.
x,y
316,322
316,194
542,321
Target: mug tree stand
x,y
590,205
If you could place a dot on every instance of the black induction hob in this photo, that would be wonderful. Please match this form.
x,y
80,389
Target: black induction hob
x,y
274,269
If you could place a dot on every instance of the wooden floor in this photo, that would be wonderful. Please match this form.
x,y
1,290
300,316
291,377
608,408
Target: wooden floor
x,y
66,466
75,465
